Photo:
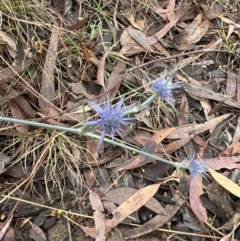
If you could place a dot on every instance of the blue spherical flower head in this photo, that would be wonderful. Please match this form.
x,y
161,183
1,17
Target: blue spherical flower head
x,y
164,87
197,168
111,119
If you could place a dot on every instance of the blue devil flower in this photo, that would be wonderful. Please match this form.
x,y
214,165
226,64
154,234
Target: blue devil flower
x,y
110,119
163,86
197,168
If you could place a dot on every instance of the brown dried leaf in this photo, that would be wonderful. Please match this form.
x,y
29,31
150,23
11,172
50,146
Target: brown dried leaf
x,y
211,206
161,49
130,17
10,73
101,68
79,24
160,11
229,225
207,110
18,171
235,148
9,235
195,129
231,85
174,146
25,106
36,233
3,229
157,221
47,86
114,80
231,29
137,200
108,156
88,231
13,44
149,147
142,136
99,217
18,113
198,92
157,36
143,116
129,45
210,14
195,191
10,96
225,182
192,34
119,195
236,136
4,160
170,10
79,88
86,52
222,162
228,21
90,176
140,37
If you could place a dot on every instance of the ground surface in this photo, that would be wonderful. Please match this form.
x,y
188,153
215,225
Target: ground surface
x,y
55,56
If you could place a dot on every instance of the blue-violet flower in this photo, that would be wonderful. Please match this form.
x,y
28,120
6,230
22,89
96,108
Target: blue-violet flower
x,y
163,86
197,168
110,119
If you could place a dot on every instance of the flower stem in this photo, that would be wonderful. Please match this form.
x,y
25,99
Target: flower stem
x,y
88,134
141,106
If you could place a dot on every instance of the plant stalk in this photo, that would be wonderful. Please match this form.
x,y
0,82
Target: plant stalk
x,y
89,134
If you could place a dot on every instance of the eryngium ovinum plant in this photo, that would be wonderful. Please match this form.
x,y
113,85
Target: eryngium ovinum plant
x,y
111,120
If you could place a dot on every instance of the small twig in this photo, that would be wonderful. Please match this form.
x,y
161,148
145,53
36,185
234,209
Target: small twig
x,y
174,56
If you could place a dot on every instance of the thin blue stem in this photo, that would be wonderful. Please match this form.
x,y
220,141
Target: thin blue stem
x,y
38,124
88,134
142,106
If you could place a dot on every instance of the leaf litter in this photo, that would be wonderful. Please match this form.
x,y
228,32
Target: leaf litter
x,y
63,53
